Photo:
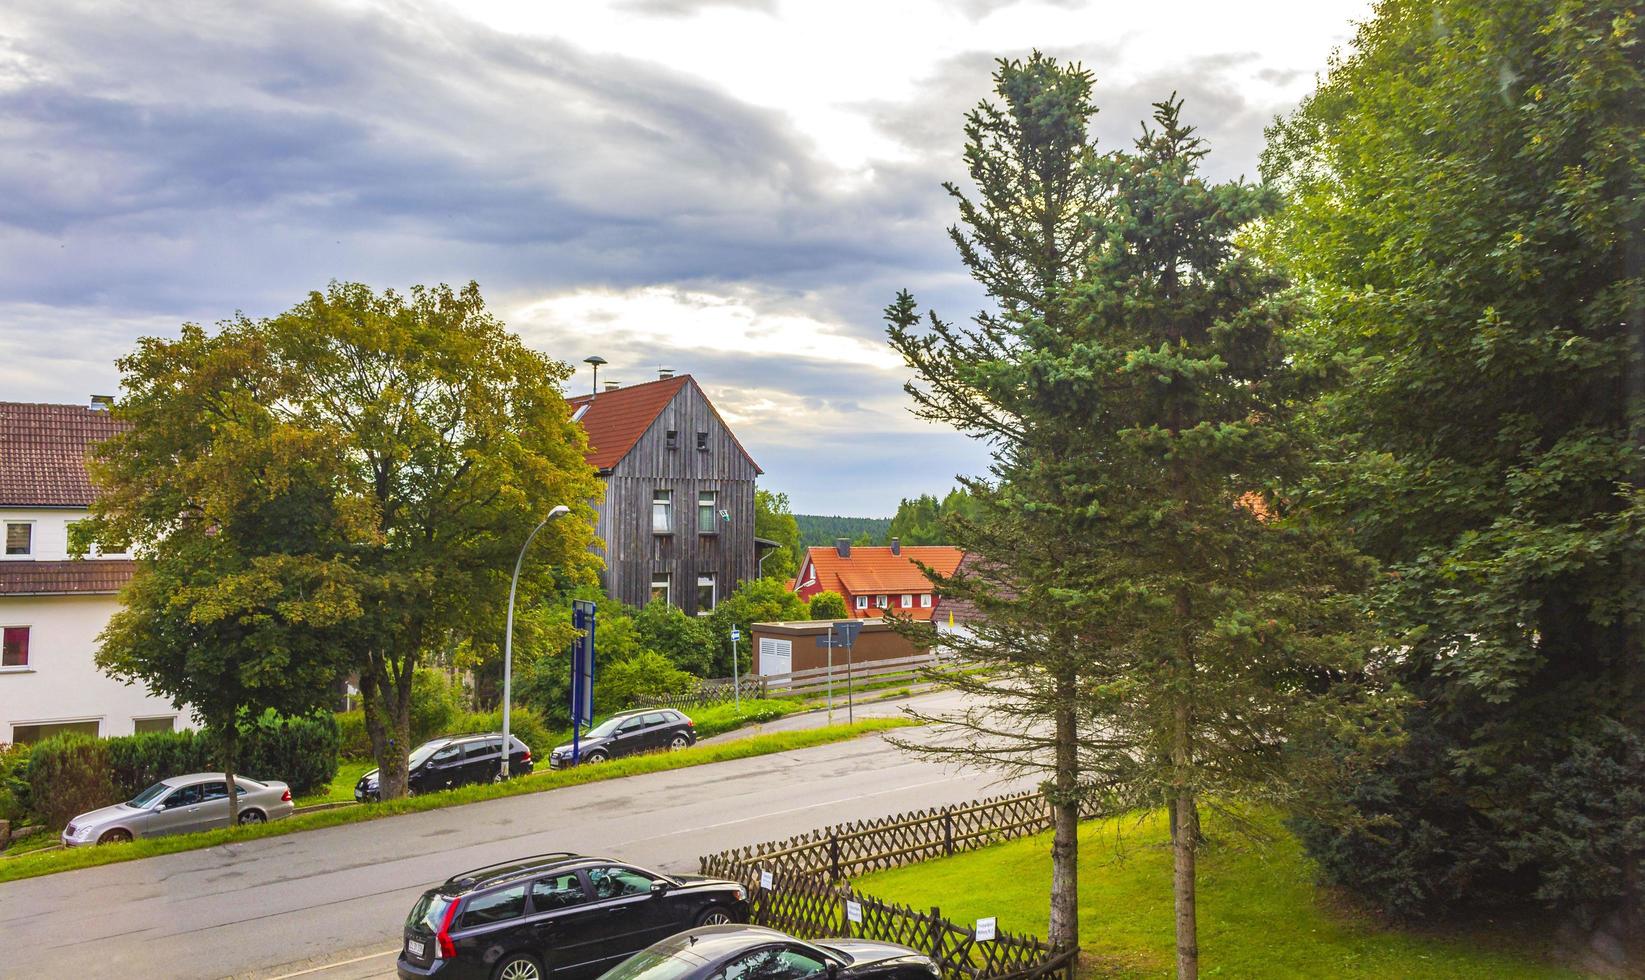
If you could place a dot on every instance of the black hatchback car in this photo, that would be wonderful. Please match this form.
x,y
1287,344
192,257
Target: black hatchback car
x,y
560,914
754,953
455,760
629,733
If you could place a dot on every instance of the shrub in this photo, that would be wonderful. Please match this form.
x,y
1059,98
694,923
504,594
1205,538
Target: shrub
x,y
139,761
14,785
436,704
641,680
525,723
828,604
300,752
684,640
69,774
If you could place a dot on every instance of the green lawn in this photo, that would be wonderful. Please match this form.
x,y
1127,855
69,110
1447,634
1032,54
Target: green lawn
x,y
51,862
1260,914
341,787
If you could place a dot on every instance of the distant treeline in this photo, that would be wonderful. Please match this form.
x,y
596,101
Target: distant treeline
x,y
918,521
820,529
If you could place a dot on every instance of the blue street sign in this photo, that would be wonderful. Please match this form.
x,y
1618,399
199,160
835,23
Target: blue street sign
x,y
848,629
736,634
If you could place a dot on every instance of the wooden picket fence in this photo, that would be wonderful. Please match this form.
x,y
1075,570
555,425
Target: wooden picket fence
x,y
799,683
810,890
707,693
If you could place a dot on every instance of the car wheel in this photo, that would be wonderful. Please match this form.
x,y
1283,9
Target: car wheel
x,y
713,916
519,968
596,756
115,836
678,742
252,816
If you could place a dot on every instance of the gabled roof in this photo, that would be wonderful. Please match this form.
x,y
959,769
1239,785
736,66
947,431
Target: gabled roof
x,y
874,569
616,419
43,453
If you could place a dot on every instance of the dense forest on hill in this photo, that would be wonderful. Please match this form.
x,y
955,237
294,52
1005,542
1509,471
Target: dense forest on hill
x,y
821,529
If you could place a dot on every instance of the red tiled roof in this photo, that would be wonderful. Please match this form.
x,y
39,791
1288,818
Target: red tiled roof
x,y
875,570
616,419
43,453
87,576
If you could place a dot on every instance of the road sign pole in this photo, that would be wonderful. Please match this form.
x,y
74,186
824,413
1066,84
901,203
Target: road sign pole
x,y
736,683
850,668
831,672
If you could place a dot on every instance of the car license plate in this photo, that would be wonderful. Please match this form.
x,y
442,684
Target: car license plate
x,y
414,947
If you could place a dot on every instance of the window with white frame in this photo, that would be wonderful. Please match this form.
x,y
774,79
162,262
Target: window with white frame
x,y
660,582
908,600
662,512
925,601
882,601
707,502
705,591
862,602
19,539
14,647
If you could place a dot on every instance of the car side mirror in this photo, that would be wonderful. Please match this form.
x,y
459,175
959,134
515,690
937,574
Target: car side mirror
x,y
658,888
833,970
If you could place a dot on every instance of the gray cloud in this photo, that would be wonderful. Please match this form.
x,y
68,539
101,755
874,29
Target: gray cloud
x,y
686,8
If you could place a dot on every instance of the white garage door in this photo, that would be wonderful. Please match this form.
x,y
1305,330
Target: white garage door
x,y
776,657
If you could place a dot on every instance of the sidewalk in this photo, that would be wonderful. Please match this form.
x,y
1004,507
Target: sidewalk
x,y
932,699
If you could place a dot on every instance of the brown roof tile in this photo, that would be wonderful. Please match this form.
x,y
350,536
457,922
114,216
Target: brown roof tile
x,y
616,419
88,576
43,453
875,570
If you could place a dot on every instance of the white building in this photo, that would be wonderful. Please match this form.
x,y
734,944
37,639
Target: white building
x,y
53,607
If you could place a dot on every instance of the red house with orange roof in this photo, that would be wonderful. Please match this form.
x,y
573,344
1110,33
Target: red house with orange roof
x,y
874,578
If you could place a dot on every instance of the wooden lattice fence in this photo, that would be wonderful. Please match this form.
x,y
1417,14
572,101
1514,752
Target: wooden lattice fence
x,y
809,891
707,694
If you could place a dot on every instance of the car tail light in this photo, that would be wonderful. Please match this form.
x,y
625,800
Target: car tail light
x,y
526,757
690,724
447,950
285,796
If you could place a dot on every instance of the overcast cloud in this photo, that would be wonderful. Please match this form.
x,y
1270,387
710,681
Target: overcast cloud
x,y
733,188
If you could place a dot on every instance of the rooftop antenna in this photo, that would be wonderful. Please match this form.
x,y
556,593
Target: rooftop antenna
x,y
595,360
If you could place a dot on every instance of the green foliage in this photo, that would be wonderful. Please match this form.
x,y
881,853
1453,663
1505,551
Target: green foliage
x,y
14,782
817,530
923,520
69,774
828,604
300,752
722,718
684,641
436,703
761,600
639,680
1467,199
137,762
775,522
524,722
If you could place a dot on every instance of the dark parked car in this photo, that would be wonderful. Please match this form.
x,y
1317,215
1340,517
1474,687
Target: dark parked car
x,y
455,760
649,730
564,914
755,953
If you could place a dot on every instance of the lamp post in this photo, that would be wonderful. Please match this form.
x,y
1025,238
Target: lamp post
x,y
508,637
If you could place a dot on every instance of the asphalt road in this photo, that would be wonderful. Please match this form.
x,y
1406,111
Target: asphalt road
x,y
327,904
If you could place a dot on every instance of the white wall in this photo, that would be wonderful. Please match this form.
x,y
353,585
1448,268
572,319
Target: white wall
x,y
51,533
61,682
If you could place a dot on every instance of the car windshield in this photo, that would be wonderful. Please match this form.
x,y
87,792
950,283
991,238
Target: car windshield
x,y
149,795
605,727
428,911
423,751
651,965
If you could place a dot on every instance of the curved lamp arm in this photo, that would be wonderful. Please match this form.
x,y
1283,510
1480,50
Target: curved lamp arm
x,y
508,637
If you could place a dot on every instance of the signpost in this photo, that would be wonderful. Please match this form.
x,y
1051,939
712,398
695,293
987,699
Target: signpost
x,y
736,684
582,673
847,630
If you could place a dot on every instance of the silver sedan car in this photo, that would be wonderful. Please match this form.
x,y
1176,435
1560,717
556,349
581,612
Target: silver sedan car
x,y
179,805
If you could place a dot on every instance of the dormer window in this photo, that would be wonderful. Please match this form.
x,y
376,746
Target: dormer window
x,y
19,539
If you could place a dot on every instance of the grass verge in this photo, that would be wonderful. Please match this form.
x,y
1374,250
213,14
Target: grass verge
x,y
51,862
1260,914
341,787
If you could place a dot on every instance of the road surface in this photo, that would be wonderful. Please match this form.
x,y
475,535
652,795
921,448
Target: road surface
x,y
328,904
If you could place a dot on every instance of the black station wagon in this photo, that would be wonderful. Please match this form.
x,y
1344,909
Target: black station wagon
x,y
630,733
452,761
559,915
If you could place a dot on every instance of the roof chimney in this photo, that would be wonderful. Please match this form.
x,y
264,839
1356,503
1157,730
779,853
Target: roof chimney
x,y
842,547
612,386
896,546
101,403
664,373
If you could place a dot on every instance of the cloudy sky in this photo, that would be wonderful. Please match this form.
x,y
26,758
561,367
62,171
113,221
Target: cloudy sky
x,y
731,188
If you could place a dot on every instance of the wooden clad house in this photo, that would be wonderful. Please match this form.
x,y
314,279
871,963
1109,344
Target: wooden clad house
x,y
678,514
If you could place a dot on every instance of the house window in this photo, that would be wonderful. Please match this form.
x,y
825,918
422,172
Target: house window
x,y
925,601
662,512
702,441
659,586
908,600
19,538
882,601
705,591
144,726
706,501
14,646
673,440
29,734
862,602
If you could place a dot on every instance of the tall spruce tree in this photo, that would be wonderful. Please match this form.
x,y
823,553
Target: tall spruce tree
x,y
1135,555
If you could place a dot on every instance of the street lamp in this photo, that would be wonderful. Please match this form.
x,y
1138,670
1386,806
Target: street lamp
x,y
508,638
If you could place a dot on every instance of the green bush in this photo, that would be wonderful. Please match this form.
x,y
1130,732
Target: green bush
x,y
300,752
14,782
69,774
436,704
524,723
828,604
641,680
139,761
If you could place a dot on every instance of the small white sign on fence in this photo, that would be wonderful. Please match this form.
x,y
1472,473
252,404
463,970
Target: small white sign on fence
x,y
853,911
765,880
985,929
